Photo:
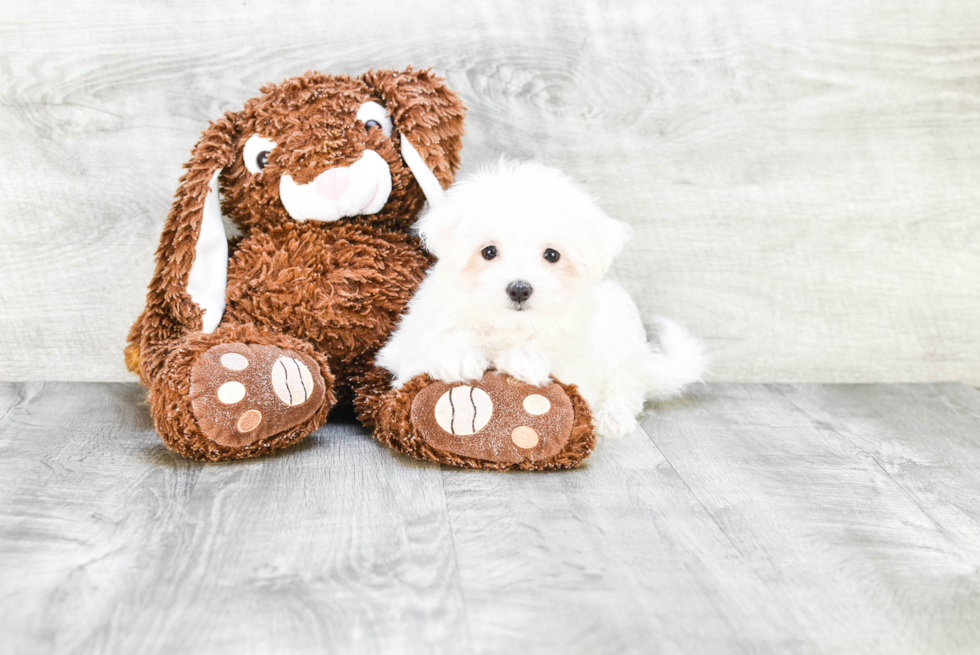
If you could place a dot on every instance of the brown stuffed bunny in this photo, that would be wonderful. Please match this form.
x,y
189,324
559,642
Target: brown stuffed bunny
x,y
247,345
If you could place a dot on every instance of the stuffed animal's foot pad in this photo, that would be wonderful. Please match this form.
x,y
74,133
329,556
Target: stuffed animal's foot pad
x,y
242,393
495,419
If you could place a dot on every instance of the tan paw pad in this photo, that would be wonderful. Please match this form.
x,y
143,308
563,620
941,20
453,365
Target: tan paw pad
x,y
249,420
524,437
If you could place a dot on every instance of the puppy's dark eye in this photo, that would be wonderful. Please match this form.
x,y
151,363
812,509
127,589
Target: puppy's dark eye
x,y
368,124
262,159
490,252
551,255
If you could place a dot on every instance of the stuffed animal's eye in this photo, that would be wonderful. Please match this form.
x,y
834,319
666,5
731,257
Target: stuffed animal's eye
x,y
551,255
256,153
489,252
374,115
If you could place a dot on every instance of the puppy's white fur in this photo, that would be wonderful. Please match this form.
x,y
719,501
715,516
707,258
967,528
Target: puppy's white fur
x,y
575,326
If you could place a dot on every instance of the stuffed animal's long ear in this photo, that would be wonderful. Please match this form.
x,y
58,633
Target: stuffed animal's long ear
x,y
429,118
188,288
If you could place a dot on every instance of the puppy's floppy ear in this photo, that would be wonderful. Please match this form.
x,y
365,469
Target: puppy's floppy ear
x,y
187,292
429,118
608,236
437,225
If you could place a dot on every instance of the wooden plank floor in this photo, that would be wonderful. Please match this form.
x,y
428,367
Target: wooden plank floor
x,y
742,519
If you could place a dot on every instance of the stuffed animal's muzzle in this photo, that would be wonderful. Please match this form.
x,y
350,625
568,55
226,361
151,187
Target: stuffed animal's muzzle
x,y
361,188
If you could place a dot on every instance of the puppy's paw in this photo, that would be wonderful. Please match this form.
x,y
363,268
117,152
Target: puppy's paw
x,y
615,420
525,364
458,365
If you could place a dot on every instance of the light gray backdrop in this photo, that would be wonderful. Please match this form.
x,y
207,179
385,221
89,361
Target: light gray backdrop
x,y
803,177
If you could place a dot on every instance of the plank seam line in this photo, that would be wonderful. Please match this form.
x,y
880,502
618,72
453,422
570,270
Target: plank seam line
x,y
452,542
905,492
24,397
955,404
694,495
745,560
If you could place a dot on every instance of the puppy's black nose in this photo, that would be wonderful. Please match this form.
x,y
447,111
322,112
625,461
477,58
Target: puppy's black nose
x,y
519,291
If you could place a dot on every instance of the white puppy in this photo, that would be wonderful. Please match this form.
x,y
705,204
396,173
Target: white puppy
x,y
518,286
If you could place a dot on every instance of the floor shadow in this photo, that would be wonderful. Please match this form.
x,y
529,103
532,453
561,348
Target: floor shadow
x,y
343,414
158,454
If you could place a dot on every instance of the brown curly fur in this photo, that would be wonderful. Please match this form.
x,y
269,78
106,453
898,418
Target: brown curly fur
x,y
329,290
332,290
339,287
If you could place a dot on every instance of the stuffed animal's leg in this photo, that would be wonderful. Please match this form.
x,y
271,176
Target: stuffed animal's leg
x,y
496,422
239,392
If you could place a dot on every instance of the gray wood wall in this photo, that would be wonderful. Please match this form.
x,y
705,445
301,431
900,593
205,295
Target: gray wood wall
x,y
804,177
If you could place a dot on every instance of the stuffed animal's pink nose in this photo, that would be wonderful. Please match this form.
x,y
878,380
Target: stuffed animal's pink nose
x,y
332,183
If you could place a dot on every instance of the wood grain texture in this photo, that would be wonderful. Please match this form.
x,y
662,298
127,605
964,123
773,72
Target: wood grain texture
x,y
616,557
802,178
743,519
856,505
109,543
